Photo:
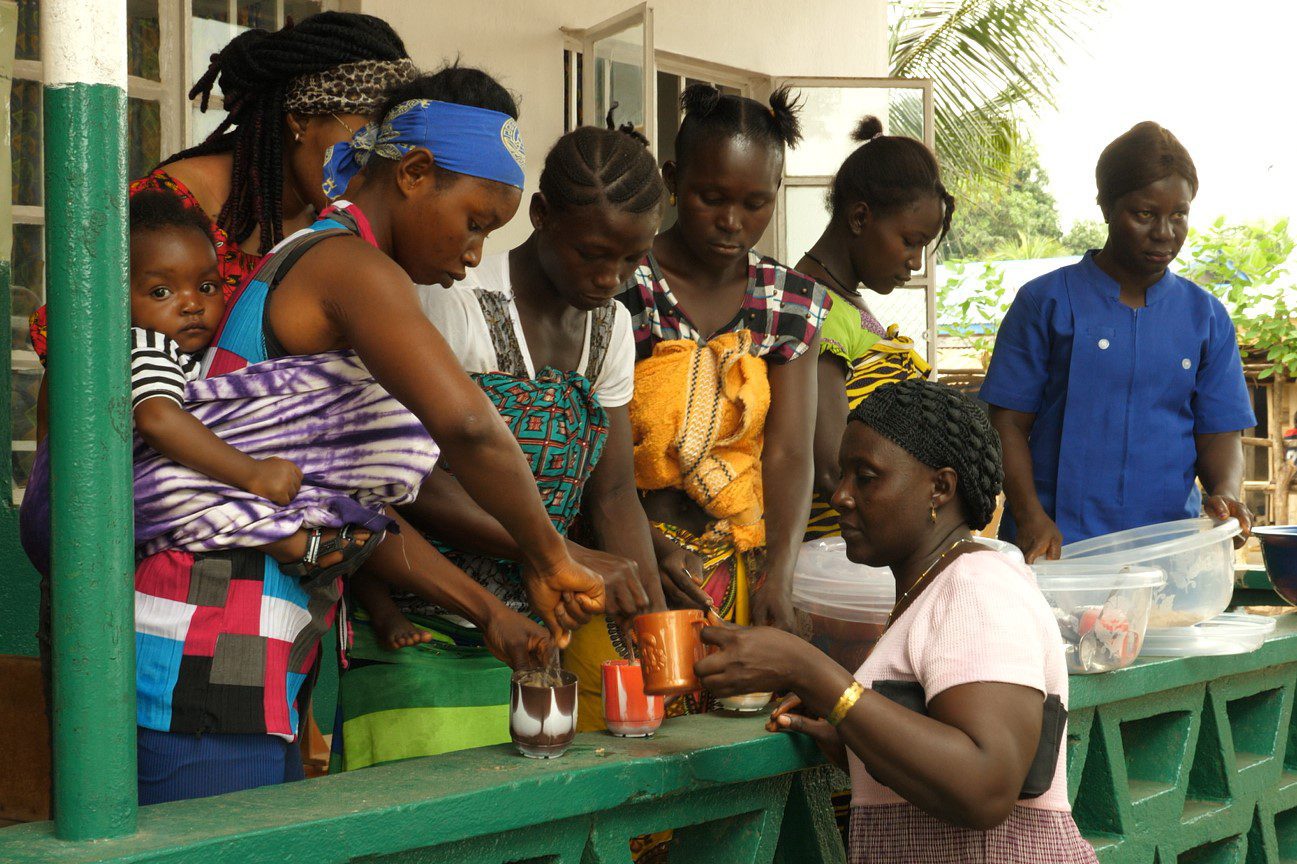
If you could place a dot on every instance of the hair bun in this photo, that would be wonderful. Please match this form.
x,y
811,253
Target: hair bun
x,y
867,128
699,100
784,107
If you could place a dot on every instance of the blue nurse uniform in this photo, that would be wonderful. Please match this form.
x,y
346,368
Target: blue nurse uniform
x,y
1118,395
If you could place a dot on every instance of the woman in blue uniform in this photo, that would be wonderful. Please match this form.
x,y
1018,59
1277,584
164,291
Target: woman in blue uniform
x,y
1115,383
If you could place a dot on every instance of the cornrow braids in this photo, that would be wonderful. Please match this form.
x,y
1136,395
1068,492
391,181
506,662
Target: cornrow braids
x,y
710,114
254,72
888,172
942,428
591,165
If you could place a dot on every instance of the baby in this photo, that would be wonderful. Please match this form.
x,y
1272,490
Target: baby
x,y
176,305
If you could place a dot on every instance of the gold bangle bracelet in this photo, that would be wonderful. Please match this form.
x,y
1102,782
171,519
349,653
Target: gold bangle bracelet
x,y
846,702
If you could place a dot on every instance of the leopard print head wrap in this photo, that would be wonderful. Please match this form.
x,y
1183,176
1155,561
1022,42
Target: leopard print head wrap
x,y
352,88
942,428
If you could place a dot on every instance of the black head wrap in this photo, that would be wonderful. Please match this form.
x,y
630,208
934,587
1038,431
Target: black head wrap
x,y
942,428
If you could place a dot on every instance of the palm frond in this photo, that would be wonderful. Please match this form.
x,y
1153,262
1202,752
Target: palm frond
x,y
990,61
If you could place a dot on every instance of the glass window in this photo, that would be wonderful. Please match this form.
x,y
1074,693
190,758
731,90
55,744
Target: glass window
x,y
296,10
619,77
142,38
211,30
25,143
27,292
144,125
29,30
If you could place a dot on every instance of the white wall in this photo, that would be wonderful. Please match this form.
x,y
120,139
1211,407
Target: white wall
x,y
519,41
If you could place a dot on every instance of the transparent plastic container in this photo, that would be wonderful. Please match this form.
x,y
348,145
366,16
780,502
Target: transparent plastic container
x,y
1231,633
1102,611
1197,556
1008,550
848,603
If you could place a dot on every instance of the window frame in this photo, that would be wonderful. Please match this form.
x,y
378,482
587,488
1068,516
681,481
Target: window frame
x,y
170,92
926,279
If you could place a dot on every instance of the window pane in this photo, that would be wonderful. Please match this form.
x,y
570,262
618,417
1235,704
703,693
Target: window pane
x,y
144,131
27,293
829,115
299,9
204,123
257,14
25,141
211,30
27,275
806,219
668,115
29,30
142,39
619,77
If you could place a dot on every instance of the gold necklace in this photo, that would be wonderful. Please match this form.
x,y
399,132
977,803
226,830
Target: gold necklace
x,y
917,582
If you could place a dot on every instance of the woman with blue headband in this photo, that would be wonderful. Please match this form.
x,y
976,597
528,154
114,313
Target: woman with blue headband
x,y
539,331
232,655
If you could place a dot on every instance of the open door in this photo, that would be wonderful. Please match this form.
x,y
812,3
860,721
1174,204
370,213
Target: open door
x,y
832,108
618,67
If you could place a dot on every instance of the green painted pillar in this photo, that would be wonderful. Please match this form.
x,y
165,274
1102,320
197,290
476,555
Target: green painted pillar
x,y
90,421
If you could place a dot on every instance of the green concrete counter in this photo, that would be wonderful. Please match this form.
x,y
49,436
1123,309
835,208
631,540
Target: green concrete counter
x,y
1169,760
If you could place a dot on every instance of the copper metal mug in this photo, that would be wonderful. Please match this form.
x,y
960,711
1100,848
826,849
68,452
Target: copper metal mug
x,y
669,646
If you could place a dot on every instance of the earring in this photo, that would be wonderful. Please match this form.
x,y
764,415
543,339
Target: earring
x,y
673,199
932,514
297,136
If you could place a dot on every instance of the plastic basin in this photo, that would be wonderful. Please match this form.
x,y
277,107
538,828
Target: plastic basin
x,y
1231,633
1197,556
1102,610
848,603
1279,549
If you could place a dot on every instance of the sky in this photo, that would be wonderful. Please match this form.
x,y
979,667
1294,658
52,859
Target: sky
x,y
1222,76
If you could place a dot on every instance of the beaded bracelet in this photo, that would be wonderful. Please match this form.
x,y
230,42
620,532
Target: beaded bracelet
x,y
846,702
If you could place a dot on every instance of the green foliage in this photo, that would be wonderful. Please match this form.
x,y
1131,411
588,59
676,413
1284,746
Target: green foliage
x,y
1027,246
1084,235
1001,222
990,60
973,315
1244,265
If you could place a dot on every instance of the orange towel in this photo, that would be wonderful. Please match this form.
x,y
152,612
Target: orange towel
x,y
698,420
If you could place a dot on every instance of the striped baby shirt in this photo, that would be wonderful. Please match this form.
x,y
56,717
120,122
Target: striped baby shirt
x,y
159,367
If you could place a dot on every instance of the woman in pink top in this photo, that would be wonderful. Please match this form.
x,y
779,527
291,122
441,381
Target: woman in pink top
x,y
973,770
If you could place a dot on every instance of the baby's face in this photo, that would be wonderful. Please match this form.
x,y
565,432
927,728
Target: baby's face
x,y
175,286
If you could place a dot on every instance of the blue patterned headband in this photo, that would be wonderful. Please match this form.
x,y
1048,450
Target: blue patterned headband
x,y
464,139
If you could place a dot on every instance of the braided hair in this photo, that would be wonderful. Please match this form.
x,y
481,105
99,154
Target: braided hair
x,y
942,428
711,114
254,71
589,165
888,172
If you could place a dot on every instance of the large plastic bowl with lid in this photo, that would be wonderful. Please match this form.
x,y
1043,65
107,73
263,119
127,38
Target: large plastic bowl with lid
x,y
1102,610
1197,556
847,603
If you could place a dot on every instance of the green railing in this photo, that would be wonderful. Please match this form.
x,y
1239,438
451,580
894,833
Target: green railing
x,y
734,792
1169,761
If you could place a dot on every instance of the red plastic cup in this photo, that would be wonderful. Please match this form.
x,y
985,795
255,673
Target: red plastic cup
x,y
628,712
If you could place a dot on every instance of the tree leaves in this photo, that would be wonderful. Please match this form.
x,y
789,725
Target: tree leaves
x,y
989,60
